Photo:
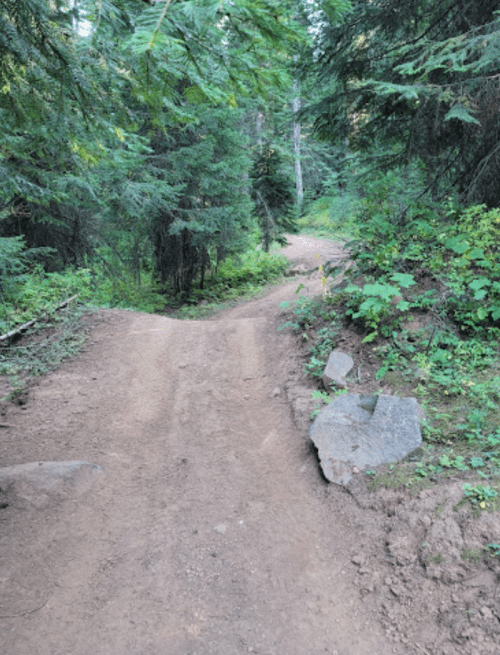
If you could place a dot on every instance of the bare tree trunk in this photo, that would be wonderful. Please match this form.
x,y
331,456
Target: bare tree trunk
x,y
137,261
258,127
296,142
267,222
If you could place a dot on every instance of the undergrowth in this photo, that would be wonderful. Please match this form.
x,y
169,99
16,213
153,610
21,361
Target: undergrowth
x,y
48,343
240,277
422,295
28,292
331,216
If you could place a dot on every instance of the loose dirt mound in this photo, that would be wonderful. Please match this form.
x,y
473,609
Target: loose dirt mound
x,y
211,531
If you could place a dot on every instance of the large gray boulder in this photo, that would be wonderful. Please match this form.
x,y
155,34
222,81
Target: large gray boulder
x,y
358,432
38,482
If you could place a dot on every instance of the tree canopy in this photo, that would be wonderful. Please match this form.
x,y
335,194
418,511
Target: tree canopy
x,y
109,131
137,133
415,80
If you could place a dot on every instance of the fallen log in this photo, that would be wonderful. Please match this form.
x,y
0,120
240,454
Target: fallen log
x,y
25,326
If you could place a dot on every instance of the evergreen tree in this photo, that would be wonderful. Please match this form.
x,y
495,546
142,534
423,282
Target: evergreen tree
x,y
121,138
272,191
211,216
415,80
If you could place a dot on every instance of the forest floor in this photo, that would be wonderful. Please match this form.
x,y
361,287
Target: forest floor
x,y
210,530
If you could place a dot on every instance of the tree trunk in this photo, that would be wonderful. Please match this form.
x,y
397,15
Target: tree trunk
x,y
296,143
258,129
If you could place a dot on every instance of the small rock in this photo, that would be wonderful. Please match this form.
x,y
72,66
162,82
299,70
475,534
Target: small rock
x,y
299,269
338,366
486,612
397,590
359,560
421,376
467,633
275,392
221,528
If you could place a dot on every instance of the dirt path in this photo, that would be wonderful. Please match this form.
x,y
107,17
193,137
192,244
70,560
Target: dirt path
x,y
210,531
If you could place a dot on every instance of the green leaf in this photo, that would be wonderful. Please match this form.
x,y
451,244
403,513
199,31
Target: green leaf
x,y
370,337
406,91
457,244
462,113
384,291
479,283
405,280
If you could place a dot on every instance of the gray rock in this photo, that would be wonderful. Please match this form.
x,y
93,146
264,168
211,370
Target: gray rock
x,y
299,269
36,482
338,366
362,432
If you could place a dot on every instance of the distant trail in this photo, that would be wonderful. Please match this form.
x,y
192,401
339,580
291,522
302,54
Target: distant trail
x,y
208,533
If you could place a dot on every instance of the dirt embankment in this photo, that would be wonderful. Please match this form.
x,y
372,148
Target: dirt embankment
x,y
211,530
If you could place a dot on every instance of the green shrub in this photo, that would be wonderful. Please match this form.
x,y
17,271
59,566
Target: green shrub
x,y
238,275
38,292
12,264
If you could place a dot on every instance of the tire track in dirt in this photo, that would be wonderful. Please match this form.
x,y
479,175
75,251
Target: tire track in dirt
x,y
207,535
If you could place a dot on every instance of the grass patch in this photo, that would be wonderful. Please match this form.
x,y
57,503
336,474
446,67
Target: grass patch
x,y
397,476
455,380
472,555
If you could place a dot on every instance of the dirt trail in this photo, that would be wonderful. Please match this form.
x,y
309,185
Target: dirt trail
x,y
211,531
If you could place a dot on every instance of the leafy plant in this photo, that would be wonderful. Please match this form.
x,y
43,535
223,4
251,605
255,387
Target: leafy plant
x,y
375,302
479,495
493,549
320,398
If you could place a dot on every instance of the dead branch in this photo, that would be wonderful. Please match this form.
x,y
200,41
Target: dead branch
x,y
25,326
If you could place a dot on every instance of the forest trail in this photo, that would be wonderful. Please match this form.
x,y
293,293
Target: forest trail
x,y
210,531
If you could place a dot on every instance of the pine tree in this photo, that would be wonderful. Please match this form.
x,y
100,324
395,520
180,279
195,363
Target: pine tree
x,y
272,191
415,80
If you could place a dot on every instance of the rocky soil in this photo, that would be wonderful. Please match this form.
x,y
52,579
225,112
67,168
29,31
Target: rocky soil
x,y
209,529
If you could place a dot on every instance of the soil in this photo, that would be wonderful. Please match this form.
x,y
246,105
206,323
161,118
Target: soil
x,y
210,530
